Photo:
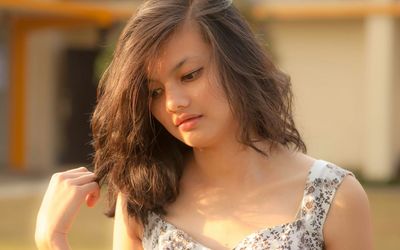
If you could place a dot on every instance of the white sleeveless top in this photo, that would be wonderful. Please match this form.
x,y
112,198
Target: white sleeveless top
x,y
305,232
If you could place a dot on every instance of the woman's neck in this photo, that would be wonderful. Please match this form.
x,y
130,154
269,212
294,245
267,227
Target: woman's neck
x,y
230,163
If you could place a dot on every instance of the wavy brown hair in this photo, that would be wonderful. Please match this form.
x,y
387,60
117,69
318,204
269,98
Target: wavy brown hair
x,y
134,154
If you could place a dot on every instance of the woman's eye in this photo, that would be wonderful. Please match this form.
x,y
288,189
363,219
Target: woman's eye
x,y
192,76
155,92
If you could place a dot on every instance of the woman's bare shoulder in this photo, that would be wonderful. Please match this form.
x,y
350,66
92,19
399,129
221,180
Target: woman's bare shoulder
x,y
348,224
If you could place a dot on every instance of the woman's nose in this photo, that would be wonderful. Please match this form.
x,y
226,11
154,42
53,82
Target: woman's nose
x,y
176,99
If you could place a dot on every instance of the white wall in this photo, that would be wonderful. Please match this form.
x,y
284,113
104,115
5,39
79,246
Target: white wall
x,y
327,61
396,93
43,111
43,58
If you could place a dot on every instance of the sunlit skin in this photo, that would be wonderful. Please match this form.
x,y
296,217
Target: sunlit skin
x,y
227,190
184,81
223,172
184,85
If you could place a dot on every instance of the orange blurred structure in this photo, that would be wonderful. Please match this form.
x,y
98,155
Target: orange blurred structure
x,y
26,16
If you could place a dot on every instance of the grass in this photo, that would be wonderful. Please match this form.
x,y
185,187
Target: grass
x,y
385,207
92,230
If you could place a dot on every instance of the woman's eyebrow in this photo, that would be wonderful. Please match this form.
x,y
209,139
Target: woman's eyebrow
x,y
176,67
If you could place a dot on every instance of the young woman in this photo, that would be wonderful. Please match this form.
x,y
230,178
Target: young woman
x,y
194,136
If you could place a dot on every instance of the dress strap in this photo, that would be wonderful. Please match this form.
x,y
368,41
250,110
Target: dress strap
x,y
323,180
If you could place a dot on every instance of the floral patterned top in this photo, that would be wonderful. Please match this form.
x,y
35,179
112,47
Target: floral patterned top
x,y
305,232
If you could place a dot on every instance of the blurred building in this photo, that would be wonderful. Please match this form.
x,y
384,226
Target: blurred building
x,y
343,57
48,52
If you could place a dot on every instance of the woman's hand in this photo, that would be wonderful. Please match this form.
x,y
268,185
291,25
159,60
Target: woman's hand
x,y
61,203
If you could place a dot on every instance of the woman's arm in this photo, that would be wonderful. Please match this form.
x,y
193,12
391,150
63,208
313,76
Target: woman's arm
x,y
60,205
348,224
127,230
56,243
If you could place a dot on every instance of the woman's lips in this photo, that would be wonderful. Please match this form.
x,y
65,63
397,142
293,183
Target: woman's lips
x,y
189,124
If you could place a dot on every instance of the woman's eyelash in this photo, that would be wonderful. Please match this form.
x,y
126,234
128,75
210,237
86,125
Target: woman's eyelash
x,y
155,92
187,78
192,75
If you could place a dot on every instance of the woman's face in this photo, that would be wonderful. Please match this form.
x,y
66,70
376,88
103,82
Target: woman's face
x,y
186,97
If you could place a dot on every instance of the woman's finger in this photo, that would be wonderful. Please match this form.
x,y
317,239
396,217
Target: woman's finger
x,y
92,198
67,178
79,169
90,188
83,179
71,175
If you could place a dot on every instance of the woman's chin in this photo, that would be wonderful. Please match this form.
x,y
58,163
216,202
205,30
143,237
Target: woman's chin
x,y
196,142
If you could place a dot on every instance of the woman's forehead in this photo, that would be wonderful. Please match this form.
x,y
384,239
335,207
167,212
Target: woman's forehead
x,y
185,45
162,66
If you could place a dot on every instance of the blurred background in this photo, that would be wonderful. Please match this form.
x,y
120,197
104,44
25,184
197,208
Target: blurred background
x,y
343,58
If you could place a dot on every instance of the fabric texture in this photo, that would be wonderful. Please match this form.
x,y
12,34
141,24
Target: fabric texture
x,y
305,232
